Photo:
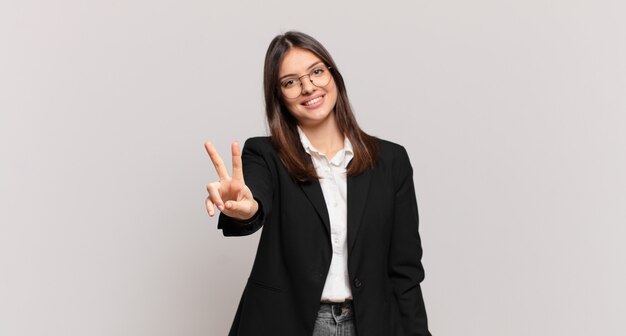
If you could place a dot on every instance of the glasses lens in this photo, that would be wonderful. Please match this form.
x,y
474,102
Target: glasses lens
x,y
292,88
320,77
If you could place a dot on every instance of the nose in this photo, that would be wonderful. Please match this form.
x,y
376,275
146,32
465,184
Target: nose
x,y
307,84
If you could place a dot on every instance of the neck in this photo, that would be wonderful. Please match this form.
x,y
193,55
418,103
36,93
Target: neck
x,y
326,136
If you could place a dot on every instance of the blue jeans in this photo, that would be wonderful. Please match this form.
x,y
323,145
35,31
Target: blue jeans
x,y
335,319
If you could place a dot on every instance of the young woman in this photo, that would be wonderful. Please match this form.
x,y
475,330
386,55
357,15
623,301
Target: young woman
x,y
340,252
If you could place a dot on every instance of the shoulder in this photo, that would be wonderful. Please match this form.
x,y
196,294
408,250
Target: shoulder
x,y
391,151
258,141
259,145
395,160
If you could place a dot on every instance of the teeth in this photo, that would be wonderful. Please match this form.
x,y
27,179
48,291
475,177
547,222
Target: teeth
x,y
313,101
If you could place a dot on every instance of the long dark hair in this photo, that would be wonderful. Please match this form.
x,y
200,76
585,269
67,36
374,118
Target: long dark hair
x,y
283,126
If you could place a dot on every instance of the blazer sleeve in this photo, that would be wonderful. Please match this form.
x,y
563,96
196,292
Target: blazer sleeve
x,y
405,266
258,178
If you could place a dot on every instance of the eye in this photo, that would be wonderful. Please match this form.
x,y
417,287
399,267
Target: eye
x,y
318,71
288,83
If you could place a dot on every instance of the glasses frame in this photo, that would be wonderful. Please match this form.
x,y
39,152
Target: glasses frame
x,y
299,79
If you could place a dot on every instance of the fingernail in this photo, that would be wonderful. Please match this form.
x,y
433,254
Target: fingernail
x,y
221,207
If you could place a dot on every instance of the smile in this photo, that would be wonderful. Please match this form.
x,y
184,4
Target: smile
x,y
313,101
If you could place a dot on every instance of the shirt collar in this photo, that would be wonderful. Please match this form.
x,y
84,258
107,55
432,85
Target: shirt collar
x,y
342,158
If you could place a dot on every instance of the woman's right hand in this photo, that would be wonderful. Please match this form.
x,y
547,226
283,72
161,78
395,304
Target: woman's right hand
x,y
229,194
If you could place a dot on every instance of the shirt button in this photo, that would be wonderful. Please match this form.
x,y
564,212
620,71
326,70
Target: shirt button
x,y
357,283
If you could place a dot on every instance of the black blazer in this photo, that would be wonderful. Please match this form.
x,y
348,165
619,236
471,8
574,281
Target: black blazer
x,y
282,295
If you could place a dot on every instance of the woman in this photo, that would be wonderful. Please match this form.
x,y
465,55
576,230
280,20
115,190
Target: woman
x,y
340,251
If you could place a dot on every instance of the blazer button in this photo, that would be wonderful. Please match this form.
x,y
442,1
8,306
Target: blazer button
x,y
357,283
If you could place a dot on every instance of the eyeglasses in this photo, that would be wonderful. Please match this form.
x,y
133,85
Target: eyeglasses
x,y
292,87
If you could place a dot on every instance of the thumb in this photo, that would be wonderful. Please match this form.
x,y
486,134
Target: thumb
x,y
240,209
230,205
237,206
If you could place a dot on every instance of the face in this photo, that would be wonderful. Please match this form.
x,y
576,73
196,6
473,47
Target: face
x,y
315,105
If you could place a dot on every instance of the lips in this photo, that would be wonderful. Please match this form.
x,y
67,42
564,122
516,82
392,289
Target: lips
x,y
313,102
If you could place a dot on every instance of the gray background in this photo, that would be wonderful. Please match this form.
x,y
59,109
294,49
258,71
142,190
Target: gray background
x,y
513,114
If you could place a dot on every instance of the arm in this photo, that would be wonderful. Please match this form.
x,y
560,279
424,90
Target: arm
x,y
405,266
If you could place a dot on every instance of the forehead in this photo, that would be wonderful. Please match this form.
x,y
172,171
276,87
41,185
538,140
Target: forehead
x,y
297,60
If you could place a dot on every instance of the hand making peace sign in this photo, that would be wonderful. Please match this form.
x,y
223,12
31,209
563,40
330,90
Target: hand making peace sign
x,y
229,194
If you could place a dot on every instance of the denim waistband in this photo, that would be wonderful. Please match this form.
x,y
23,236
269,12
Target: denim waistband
x,y
341,311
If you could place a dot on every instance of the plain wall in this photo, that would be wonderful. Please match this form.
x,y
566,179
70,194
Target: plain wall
x,y
513,114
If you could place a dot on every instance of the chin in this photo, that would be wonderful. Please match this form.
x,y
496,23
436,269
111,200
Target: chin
x,y
315,118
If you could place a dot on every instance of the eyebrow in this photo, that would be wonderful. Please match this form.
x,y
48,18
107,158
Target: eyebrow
x,y
310,66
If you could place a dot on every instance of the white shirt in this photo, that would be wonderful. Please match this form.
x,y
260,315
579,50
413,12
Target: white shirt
x,y
334,185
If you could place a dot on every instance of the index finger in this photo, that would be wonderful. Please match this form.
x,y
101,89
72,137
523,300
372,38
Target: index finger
x,y
217,161
237,165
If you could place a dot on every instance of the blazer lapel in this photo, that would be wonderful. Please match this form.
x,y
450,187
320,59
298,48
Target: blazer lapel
x,y
313,192
358,187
